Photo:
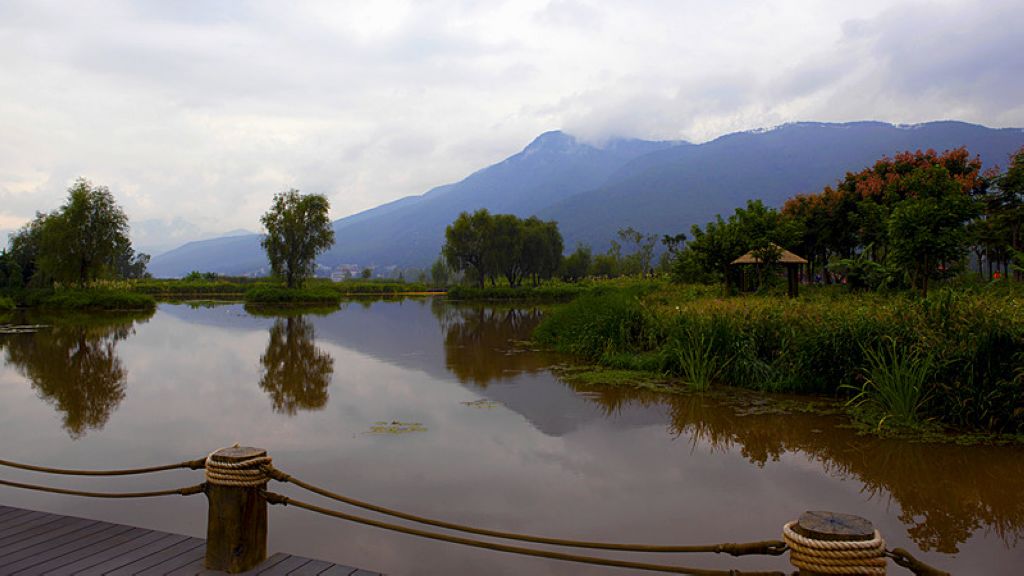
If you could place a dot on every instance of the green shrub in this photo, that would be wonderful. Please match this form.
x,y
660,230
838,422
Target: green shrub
x,y
826,342
896,382
6,304
95,299
279,295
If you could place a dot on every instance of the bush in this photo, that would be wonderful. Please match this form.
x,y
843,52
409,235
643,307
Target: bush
x,y
95,299
825,342
278,295
6,304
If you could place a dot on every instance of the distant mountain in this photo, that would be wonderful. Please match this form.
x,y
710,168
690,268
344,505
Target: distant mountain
x,y
409,231
592,191
669,190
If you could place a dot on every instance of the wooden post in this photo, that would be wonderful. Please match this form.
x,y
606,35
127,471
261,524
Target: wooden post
x,y
821,525
794,280
236,528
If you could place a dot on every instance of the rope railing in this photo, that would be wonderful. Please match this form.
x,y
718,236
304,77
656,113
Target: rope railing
x,y
770,547
238,468
274,498
196,464
184,491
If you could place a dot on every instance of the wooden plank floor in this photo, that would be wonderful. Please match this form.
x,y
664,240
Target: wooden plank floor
x,y
37,543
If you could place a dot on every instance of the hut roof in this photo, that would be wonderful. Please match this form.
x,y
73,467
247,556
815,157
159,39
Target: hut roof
x,y
785,257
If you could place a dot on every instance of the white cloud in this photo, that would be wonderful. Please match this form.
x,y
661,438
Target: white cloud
x,y
196,114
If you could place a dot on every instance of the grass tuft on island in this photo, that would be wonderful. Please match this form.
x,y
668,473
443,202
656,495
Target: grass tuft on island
x,y
93,299
282,296
952,360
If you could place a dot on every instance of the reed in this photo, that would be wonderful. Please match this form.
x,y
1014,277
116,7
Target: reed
x,y
896,383
826,342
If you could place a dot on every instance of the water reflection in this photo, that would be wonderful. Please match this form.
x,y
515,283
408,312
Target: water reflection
x,y
74,365
945,492
296,373
479,341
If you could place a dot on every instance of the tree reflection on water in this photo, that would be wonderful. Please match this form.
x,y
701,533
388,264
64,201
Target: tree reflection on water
x,y
296,373
479,341
74,365
945,492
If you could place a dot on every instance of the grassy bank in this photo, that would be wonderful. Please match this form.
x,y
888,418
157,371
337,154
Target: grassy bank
x,y
954,359
89,299
551,291
279,295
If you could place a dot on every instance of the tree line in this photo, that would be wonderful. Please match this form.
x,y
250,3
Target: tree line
x,y
486,246
86,239
907,220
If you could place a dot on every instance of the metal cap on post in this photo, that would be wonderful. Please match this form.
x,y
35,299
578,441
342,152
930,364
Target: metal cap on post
x,y
236,529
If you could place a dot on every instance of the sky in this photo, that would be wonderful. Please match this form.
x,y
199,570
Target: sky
x,y
195,114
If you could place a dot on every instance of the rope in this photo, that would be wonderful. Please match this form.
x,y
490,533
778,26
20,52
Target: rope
x,y
190,464
274,498
248,473
906,560
772,547
186,491
835,556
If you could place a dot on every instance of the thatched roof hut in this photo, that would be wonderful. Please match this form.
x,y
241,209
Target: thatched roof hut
x,y
785,257
790,261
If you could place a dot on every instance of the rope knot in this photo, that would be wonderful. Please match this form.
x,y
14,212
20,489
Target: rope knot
x,y
246,473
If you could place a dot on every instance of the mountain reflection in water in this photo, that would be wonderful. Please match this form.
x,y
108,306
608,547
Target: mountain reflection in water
x,y
565,456
945,492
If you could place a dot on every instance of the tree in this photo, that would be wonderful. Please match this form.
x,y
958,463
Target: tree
x,y
576,265
84,239
640,260
466,244
439,273
298,229
927,228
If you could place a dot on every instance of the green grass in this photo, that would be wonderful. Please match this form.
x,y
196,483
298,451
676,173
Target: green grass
x,y
896,384
371,287
279,295
6,304
95,299
826,342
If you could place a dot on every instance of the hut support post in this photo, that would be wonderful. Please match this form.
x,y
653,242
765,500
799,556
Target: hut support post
x,y
794,281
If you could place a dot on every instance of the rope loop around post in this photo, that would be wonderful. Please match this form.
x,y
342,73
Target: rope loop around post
x,y
860,557
248,473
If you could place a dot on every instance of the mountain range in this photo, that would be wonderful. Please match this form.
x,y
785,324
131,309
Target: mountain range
x,y
660,187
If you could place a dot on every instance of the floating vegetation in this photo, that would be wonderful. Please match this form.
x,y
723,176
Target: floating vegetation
x,y
21,328
396,427
482,403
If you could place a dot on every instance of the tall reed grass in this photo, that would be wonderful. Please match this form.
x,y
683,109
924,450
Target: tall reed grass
x,y
825,342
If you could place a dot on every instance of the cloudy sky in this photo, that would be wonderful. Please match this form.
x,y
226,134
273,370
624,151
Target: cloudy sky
x,y
195,113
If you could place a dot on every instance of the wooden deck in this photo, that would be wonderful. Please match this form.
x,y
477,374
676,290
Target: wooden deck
x,y
38,543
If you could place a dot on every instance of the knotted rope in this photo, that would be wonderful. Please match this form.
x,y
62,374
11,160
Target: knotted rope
x,y
248,473
835,556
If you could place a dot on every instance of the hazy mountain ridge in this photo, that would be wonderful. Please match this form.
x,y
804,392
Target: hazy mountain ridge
x,y
592,191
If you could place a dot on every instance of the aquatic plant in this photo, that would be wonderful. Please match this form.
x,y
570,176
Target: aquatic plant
x,y
896,380
698,364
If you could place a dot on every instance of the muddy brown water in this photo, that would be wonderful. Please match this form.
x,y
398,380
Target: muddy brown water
x,y
432,408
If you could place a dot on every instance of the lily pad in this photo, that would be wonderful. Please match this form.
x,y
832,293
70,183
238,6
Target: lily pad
x,y
396,427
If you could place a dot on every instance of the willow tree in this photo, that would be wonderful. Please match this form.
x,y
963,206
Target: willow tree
x,y
298,229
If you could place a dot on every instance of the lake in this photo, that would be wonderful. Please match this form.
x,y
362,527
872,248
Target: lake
x,y
440,410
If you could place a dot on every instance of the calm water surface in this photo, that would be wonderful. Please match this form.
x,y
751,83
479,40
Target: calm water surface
x,y
492,438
